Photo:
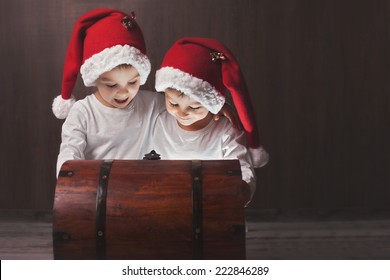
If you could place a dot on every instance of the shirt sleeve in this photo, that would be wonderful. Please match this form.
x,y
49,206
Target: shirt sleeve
x,y
73,138
234,147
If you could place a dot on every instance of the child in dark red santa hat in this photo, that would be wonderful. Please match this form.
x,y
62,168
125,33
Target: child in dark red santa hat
x,y
108,49
195,74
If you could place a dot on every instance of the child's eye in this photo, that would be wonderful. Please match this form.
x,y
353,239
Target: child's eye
x,y
194,108
172,104
110,86
133,82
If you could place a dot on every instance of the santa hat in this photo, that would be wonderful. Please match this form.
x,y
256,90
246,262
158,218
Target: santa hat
x,y
203,69
101,40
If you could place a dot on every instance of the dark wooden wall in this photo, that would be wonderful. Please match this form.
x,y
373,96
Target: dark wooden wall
x,y
318,72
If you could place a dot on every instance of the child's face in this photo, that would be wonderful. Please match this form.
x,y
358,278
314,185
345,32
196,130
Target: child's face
x,y
118,87
190,114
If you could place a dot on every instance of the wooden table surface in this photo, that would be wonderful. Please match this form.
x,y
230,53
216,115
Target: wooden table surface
x,y
27,237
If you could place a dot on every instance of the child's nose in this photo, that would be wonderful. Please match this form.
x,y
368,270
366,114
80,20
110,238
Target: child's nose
x,y
181,112
122,90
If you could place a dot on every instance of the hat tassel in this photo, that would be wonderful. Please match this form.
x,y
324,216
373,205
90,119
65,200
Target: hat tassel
x,y
61,107
259,156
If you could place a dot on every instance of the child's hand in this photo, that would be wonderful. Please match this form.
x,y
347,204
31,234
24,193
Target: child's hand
x,y
230,114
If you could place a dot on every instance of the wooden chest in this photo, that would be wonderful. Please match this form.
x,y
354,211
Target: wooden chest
x,y
149,209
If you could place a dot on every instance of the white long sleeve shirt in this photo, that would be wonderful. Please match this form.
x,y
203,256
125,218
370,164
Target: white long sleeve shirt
x,y
95,131
218,140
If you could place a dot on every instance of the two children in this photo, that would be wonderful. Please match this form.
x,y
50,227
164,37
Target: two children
x,y
116,121
195,74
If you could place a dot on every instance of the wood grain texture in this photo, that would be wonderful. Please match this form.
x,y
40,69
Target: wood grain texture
x,y
149,211
29,237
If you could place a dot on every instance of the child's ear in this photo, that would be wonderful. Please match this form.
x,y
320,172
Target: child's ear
x,y
229,112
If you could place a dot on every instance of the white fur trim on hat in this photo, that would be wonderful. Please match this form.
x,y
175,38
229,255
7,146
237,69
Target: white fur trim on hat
x,y
61,107
259,156
197,89
112,57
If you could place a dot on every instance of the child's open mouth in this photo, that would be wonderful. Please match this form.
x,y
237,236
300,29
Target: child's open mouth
x,y
121,101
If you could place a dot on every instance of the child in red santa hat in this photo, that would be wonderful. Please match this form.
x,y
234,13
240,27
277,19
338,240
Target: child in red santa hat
x,y
108,49
195,74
